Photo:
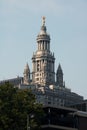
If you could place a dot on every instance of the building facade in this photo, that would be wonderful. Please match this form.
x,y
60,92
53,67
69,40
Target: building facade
x,y
43,63
63,118
47,85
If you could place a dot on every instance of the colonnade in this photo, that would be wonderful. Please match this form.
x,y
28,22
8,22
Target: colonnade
x,y
43,45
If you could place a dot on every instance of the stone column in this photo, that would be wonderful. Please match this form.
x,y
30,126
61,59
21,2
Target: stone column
x,y
41,45
44,45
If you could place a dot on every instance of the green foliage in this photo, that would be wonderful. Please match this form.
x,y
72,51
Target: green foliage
x,y
15,106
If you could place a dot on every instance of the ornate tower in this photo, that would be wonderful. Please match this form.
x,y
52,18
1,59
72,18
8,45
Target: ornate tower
x,y
43,60
26,73
59,76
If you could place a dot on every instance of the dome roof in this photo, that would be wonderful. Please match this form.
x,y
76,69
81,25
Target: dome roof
x,y
43,32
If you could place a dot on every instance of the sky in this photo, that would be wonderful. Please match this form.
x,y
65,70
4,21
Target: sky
x,y
66,22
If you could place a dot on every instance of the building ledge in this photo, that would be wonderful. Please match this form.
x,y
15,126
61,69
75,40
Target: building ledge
x,y
58,127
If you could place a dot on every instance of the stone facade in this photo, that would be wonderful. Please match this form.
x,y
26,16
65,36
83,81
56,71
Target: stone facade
x,y
43,60
43,63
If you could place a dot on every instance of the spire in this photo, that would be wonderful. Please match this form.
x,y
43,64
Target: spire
x,y
59,76
26,69
26,74
59,69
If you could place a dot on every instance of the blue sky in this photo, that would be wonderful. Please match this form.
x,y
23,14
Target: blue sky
x,y
66,21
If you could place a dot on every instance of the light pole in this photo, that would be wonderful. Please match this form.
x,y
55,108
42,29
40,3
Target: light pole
x,y
49,115
28,123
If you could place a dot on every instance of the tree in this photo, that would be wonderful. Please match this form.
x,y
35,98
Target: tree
x,y
15,106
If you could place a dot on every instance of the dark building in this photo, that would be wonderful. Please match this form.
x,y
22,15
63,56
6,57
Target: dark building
x,y
14,81
63,118
82,106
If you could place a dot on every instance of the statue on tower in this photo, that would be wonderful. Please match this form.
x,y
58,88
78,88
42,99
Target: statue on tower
x,y
43,21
